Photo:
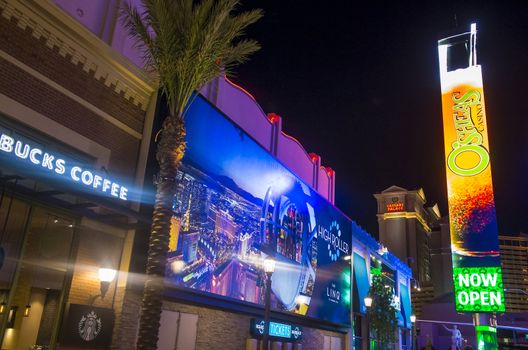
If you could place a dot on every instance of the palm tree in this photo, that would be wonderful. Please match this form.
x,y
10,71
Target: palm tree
x,y
186,43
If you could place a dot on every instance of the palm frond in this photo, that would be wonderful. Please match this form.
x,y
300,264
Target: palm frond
x,y
190,42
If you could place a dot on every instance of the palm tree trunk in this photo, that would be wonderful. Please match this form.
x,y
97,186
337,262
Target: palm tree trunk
x,y
169,154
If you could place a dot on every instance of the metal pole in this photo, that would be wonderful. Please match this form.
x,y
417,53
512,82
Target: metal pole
x,y
266,313
481,319
415,338
368,330
412,336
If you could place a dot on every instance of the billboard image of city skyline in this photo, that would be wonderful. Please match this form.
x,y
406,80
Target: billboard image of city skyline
x,y
235,205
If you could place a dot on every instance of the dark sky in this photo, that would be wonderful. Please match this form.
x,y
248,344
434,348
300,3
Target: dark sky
x,y
360,87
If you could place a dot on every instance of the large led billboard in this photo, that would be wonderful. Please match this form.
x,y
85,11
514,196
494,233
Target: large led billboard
x,y
235,205
477,273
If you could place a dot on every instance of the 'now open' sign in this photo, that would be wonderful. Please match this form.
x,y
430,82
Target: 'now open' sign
x,y
478,289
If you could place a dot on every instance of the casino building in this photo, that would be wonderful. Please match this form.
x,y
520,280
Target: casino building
x,y
77,115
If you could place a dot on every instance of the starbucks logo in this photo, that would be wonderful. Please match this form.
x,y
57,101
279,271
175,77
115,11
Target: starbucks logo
x,y
89,326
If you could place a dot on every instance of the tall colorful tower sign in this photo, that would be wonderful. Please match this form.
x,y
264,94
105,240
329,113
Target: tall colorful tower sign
x,y
477,274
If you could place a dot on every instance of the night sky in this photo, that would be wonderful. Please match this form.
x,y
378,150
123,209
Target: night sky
x,y
360,87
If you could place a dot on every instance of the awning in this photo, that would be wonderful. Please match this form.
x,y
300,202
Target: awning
x,y
79,203
362,281
405,302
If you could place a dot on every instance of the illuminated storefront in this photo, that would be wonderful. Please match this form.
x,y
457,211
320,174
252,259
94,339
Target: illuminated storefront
x,y
70,169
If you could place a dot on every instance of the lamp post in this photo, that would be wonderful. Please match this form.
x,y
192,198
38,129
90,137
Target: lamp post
x,y
368,304
413,320
269,268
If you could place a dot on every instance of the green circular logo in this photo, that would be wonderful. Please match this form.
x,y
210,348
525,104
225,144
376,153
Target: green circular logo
x,y
482,164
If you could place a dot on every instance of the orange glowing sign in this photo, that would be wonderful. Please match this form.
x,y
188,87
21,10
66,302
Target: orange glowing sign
x,y
392,207
472,218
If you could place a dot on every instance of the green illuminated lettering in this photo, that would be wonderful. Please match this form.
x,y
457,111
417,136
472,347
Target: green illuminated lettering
x,y
480,151
489,280
463,280
478,289
469,138
484,298
471,97
495,298
463,298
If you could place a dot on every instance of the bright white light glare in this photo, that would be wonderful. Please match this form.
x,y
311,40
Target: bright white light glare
x,y
302,299
107,275
269,265
473,28
413,318
368,301
177,266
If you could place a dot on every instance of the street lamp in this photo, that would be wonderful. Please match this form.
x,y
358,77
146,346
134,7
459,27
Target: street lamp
x,y
368,304
269,268
413,320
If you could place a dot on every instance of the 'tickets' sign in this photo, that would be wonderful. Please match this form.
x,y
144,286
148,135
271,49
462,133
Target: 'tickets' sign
x,y
282,331
473,223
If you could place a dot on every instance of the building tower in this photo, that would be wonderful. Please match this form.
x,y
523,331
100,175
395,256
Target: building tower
x,y
405,228
514,259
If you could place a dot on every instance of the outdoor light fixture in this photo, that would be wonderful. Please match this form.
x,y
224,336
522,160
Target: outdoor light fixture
x,y
269,265
269,268
12,317
413,332
106,276
368,301
368,304
27,310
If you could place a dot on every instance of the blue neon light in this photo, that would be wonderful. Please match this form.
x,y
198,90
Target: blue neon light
x,y
284,331
280,330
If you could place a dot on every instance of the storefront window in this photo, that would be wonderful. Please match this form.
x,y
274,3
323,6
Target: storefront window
x,y
357,331
37,245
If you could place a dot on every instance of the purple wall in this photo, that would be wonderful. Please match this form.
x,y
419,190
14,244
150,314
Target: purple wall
x,y
101,18
244,110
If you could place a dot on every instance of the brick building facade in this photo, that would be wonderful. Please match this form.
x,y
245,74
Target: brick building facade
x,y
65,91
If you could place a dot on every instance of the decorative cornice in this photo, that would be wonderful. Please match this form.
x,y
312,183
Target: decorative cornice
x,y
58,30
406,215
